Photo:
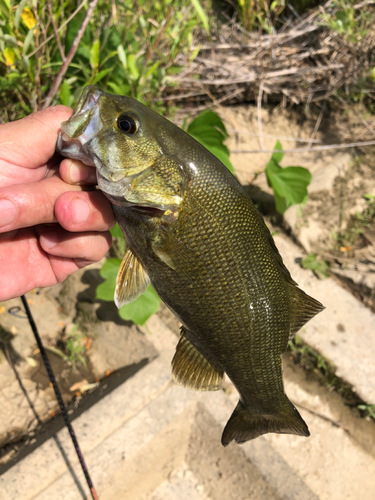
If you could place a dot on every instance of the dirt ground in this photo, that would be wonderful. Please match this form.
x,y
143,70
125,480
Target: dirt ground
x,y
113,349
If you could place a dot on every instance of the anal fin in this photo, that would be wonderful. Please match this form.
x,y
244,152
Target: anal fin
x,y
190,368
132,279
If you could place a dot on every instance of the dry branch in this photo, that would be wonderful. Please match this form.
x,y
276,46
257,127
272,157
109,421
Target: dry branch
x,y
303,63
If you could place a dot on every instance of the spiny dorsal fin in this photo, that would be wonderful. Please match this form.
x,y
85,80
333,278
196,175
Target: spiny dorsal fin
x,y
190,368
132,279
302,307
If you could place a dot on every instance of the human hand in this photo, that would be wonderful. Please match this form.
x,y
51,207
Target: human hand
x,y
49,225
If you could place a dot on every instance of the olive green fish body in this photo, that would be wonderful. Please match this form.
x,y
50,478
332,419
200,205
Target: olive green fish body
x,y
194,233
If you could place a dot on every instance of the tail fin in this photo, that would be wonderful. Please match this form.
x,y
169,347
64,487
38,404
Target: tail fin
x,y
243,426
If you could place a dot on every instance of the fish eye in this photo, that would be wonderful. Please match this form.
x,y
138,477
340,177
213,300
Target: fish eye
x,y
127,124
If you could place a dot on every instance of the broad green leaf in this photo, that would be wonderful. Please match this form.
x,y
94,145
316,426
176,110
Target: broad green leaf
x,y
94,54
207,119
109,270
222,156
277,157
209,130
289,183
142,308
280,203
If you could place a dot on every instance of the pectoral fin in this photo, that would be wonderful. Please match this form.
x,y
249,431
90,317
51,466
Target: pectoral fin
x,y
176,254
132,279
190,368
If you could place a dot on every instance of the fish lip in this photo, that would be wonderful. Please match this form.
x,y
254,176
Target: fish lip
x,y
83,125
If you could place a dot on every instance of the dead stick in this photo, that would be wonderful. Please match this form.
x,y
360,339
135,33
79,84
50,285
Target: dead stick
x,y
69,57
305,150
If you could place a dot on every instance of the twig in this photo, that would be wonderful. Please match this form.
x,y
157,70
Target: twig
x,y
305,150
274,136
259,108
60,28
61,50
362,4
69,57
317,124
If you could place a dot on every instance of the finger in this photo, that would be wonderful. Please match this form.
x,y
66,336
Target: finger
x,y
38,133
26,205
84,211
76,172
85,247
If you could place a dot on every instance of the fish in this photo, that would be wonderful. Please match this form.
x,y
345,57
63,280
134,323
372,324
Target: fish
x,y
196,236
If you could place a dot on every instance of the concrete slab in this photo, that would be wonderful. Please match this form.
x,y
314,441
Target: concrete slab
x,y
151,439
343,332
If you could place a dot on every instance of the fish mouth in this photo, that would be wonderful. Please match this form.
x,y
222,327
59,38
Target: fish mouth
x,y
82,127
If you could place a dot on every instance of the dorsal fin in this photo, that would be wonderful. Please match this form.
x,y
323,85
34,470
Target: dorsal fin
x,y
132,279
190,368
302,307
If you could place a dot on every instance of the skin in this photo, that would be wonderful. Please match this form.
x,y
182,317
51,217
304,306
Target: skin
x,y
57,225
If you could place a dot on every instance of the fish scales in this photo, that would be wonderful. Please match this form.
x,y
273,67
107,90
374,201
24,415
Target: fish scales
x,y
196,236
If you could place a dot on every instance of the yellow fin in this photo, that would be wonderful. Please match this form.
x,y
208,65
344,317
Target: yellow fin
x,y
303,308
190,368
132,279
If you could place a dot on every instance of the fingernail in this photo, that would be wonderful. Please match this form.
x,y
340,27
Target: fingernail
x,y
81,210
49,240
8,212
77,174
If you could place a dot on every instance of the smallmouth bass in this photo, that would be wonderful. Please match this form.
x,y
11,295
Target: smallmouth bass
x,y
196,236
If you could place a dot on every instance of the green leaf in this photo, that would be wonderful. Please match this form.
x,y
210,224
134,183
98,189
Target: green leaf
x,y
99,76
152,70
65,95
19,10
109,270
134,72
29,38
222,156
277,157
289,183
201,14
4,8
319,267
9,40
95,54
122,56
142,308
207,119
209,130
116,232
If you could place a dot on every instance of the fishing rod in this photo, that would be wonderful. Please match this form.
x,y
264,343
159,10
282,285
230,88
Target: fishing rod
x,y
59,398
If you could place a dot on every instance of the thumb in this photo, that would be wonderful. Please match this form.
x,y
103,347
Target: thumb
x,y
31,141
